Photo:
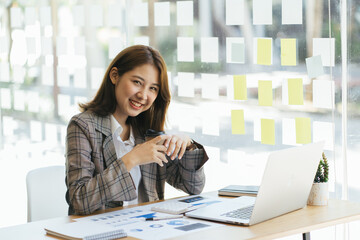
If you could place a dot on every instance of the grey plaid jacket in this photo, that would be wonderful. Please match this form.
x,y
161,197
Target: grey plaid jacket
x,y
96,179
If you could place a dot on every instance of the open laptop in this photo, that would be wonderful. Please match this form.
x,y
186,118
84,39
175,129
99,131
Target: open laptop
x,y
285,187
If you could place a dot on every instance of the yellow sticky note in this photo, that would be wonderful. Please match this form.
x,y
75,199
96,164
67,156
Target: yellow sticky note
x,y
288,52
237,122
303,130
240,89
295,89
268,131
264,51
265,93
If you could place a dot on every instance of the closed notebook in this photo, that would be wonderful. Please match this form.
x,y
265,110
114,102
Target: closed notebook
x,y
85,230
239,190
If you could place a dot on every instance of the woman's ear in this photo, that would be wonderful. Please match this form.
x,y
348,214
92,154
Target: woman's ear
x,y
114,75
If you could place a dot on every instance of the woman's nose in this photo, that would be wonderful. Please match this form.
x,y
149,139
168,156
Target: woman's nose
x,y
141,94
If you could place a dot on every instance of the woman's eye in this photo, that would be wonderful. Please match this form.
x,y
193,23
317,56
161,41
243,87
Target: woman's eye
x,y
137,82
154,89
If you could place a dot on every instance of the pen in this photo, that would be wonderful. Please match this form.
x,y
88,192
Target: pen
x,y
163,218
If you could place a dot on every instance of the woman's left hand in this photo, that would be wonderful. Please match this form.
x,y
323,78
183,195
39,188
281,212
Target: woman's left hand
x,y
176,145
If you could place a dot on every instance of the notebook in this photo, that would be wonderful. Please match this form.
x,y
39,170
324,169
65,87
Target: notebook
x,y
239,190
285,187
85,230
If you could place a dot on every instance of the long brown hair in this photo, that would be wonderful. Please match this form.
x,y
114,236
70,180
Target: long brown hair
x,y
104,102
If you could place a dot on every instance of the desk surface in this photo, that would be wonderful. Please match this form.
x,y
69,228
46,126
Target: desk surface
x,y
297,222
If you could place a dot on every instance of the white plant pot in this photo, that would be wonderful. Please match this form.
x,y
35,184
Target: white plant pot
x,y
319,194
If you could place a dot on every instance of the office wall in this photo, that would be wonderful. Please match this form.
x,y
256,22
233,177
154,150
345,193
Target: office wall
x,y
247,77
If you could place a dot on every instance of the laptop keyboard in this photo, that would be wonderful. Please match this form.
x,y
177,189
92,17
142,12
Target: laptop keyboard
x,y
242,213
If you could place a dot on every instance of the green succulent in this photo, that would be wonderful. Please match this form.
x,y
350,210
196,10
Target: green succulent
x,y
322,173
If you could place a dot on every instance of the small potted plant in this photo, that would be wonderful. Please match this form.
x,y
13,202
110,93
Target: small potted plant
x,y
319,194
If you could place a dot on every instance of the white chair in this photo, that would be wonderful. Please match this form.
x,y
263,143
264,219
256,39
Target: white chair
x,y
46,193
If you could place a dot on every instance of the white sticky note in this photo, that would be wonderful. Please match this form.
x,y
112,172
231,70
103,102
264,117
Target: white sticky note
x,y
210,124
10,126
35,131
31,45
210,49
16,17
324,131
63,78
78,15
141,14
5,98
33,101
235,50
285,92
210,86
96,16
291,11
325,47
64,102
45,16
46,46
4,44
262,12
61,46
79,46
143,40
289,132
47,76
234,12
114,15
323,94
185,49
4,72
186,84
162,13
188,121
80,78
185,13
30,15
314,66
97,75
50,133
19,100
116,45
18,74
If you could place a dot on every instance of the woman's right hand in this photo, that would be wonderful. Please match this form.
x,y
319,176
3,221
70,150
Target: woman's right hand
x,y
147,152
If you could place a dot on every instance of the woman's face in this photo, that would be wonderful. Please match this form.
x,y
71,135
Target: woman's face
x,y
135,91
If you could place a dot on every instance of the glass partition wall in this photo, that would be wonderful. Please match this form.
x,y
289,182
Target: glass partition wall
x,y
247,77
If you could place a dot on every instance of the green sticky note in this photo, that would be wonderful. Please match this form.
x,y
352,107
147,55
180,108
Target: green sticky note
x,y
265,93
237,122
303,130
240,88
295,89
264,51
288,52
268,131
237,53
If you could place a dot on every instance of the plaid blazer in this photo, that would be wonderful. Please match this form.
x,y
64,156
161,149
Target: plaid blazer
x,y
96,179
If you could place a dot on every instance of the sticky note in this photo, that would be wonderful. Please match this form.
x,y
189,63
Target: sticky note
x,y
63,77
185,13
162,13
295,86
35,131
288,131
187,123
234,12
291,12
324,131
235,50
51,133
4,72
33,102
116,45
288,52
268,131
237,122
210,49
265,94
185,49
30,15
47,75
114,15
262,12
314,66
97,75
303,130
325,47
96,13
64,104
18,74
240,87
46,46
78,15
45,16
210,124
264,51
31,45
186,86
16,17
140,15
61,46
323,94
19,100
5,99
210,86
80,78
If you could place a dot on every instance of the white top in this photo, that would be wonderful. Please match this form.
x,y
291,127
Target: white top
x,y
122,148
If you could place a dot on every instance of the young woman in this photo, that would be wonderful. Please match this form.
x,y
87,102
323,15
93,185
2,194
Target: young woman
x,y
108,161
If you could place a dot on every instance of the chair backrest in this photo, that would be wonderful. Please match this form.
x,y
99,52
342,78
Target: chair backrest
x,y
46,193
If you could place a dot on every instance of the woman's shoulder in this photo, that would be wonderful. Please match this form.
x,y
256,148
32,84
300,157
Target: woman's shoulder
x,y
91,120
